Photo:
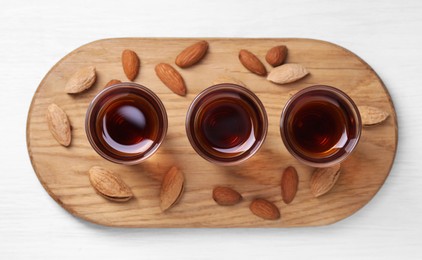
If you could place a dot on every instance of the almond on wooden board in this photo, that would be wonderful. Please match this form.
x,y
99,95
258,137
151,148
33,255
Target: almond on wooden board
x,y
323,179
192,54
287,73
109,185
264,209
226,196
252,63
171,188
81,80
372,115
289,184
171,78
112,82
276,55
130,63
58,124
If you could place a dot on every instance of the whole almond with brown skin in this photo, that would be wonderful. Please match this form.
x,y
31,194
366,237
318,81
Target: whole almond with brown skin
x,y
372,115
192,54
112,82
276,55
109,185
171,78
264,209
287,73
289,184
226,196
171,188
131,64
81,80
58,124
323,179
252,63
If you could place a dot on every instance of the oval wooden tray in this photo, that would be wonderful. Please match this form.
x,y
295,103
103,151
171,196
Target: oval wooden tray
x,y
63,171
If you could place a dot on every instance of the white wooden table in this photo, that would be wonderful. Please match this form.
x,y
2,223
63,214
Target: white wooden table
x,y
36,34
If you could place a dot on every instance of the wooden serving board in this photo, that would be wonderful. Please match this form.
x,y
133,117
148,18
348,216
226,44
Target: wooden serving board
x,y
63,171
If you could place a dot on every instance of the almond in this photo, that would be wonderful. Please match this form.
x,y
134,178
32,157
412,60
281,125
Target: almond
x,y
112,82
289,184
276,55
252,63
227,79
171,188
323,179
372,115
287,73
226,196
109,185
264,209
130,63
59,125
192,54
171,78
81,80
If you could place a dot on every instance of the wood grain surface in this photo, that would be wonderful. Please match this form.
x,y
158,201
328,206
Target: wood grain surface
x,y
64,171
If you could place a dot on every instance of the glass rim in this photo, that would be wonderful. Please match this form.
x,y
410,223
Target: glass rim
x,y
136,87
350,146
190,115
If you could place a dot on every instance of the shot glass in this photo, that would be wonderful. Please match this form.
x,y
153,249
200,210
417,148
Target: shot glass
x,y
320,126
126,123
226,124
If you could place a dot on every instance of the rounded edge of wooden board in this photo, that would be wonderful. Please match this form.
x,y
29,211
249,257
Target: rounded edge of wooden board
x,y
394,116
28,141
97,222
